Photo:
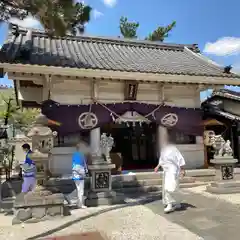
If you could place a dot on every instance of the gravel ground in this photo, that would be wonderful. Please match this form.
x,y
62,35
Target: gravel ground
x,y
131,223
134,221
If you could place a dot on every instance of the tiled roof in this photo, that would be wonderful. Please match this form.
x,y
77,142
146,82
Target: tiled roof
x,y
226,114
85,52
226,93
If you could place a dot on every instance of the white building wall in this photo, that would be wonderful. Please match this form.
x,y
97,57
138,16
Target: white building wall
x,y
149,92
30,94
80,91
72,91
110,91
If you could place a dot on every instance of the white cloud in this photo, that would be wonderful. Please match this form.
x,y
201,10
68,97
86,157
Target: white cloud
x,y
28,22
96,14
110,3
223,46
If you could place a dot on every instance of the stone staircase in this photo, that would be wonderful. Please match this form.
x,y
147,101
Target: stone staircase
x,y
134,184
227,187
149,182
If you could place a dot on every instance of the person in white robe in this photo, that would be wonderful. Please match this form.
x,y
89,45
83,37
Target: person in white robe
x,y
172,162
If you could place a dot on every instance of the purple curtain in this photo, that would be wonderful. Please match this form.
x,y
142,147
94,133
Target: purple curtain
x,y
72,117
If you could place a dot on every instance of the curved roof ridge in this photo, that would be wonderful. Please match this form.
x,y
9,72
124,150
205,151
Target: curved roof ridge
x,y
210,62
204,59
117,40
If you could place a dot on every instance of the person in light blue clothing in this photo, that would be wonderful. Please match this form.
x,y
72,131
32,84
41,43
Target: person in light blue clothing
x,y
28,171
79,170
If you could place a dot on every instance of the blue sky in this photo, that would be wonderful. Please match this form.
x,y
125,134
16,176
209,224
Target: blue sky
x,y
212,24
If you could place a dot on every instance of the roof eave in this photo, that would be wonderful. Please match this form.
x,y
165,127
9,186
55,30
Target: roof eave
x,y
118,75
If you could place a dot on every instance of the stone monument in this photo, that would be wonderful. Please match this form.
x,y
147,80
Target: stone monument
x,y
106,144
101,179
224,162
42,203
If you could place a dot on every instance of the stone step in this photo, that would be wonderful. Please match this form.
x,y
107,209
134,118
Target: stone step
x,y
226,184
224,187
68,186
199,174
222,190
155,188
146,182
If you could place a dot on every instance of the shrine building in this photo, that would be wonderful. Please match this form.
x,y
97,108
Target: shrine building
x,y
127,88
222,115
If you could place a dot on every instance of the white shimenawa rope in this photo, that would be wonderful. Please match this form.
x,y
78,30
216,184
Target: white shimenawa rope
x,y
118,116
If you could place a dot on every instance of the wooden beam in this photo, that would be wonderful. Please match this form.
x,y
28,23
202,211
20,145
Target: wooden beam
x,y
26,77
47,87
94,90
161,92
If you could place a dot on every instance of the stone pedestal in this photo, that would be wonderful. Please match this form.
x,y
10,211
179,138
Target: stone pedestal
x,y
38,206
224,182
101,186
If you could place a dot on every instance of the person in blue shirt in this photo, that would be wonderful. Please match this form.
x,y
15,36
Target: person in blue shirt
x,y
28,170
79,169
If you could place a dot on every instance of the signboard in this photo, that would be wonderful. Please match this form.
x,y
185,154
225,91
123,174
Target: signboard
x,y
131,89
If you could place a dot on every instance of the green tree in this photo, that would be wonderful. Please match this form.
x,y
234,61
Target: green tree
x,y
11,114
161,33
58,17
128,29
18,119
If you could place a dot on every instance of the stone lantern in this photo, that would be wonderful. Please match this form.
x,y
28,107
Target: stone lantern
x,y
42,143
41,203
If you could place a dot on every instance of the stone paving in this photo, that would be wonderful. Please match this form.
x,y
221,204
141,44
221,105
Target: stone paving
x,y
206,217
211,218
